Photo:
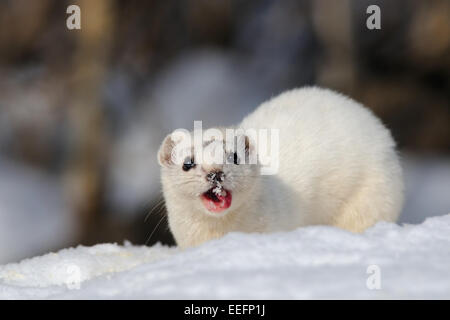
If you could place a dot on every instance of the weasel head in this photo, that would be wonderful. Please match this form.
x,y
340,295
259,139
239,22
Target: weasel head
x,y
212,177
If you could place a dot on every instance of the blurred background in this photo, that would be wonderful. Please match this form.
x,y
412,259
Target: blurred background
x,y
82,112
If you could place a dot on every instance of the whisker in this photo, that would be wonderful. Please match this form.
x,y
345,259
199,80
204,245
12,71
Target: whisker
x,y
158,204
154,229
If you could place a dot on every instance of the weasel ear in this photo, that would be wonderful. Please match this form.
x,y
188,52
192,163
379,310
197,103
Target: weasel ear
x,y
165,152
248,145
244,141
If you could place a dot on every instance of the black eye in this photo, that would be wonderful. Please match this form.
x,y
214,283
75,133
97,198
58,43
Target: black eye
x,y
233,158
188,164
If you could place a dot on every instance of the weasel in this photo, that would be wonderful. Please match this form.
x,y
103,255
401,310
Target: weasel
x,y
338,166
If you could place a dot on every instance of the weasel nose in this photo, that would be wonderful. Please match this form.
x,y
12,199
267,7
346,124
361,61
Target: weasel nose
x,y
215,176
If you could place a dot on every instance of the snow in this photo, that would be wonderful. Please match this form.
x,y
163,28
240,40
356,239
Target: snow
x,y
311,262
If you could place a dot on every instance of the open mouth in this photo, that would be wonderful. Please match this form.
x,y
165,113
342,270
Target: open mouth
x,y
216,199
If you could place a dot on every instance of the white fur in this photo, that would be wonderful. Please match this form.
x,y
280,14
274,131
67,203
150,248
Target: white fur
x,y
338,166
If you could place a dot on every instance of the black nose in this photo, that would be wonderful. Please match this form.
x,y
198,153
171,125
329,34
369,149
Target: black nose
x,y
215,176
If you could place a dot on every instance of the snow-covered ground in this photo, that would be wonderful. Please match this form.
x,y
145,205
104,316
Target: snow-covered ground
x,y
410,261
313,262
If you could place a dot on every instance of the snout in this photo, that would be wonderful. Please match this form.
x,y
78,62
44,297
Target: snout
x,y
215,176
216,199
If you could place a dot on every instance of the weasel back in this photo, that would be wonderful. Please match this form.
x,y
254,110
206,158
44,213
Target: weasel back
x,y
335,156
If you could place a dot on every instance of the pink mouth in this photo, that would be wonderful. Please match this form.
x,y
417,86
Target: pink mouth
x,y
216,203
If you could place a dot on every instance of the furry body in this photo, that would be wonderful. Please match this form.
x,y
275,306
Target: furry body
x,y
338,166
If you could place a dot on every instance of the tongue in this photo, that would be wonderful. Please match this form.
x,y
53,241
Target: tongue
x,y
222,203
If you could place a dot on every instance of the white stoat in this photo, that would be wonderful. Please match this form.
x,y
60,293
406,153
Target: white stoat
x,y
337,166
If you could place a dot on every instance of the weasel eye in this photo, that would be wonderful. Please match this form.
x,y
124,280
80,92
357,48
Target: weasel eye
x,y
188,164
233,158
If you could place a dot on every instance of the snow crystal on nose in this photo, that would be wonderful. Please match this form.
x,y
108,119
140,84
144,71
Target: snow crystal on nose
x,y
218,190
